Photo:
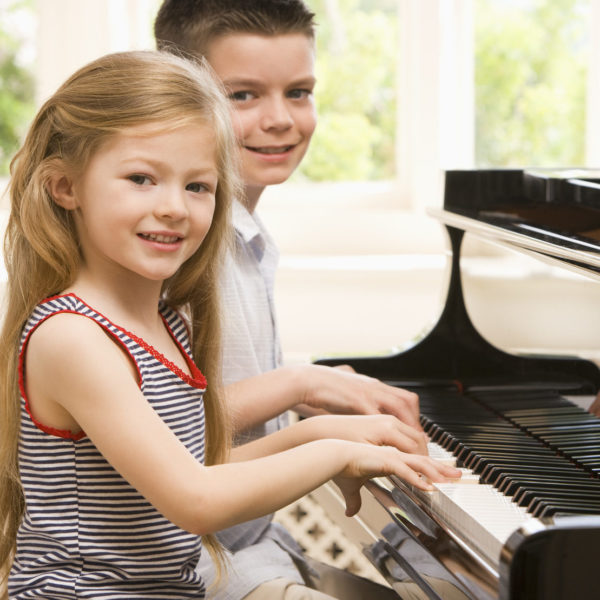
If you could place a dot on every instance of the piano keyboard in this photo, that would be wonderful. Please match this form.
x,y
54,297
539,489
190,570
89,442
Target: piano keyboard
x,y
474,510
522,472
525,456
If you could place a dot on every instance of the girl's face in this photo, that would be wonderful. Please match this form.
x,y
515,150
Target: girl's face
x,y
146,201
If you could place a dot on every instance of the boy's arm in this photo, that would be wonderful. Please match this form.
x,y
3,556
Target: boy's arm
x,y
316,389
73,364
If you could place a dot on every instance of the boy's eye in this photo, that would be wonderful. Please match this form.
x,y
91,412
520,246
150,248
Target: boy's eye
x,y
299,94
140,179
241,96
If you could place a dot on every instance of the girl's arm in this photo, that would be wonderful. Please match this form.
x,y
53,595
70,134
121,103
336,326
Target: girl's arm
x,y
316,389
246,490
380,430
77,376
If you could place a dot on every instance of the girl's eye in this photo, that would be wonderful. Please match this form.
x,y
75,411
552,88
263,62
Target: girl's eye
x,y
140,179
196,187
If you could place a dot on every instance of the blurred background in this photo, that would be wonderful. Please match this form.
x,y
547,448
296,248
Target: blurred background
x,y
406,89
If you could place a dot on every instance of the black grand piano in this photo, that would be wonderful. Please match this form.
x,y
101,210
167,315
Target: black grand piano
x,y
524,523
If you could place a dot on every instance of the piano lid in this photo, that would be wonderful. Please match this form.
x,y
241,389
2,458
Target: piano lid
x,y
553,213
555,218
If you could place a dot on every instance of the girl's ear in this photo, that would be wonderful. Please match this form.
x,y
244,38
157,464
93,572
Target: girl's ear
x,y
61,189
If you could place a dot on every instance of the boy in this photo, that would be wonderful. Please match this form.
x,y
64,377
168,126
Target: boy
x,y
263,50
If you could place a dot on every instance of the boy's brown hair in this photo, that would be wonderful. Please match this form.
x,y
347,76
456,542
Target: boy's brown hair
x,y
189,26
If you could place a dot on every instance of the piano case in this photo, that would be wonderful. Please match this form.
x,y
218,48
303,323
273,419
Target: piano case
x,y
503,415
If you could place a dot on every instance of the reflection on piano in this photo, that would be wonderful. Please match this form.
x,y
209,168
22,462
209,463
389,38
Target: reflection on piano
x,y
524,521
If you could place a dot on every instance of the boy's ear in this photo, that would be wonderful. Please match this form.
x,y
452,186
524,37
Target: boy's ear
x,y
60,187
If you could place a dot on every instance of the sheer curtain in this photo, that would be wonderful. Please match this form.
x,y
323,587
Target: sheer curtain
x,y
73,32
435,66
435,95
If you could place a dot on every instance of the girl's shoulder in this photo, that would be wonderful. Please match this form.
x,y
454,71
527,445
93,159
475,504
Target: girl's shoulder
x,y
62,308
57,303
56,330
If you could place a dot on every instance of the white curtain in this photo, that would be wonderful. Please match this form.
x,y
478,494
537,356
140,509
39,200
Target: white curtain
x,y
435,96
73,32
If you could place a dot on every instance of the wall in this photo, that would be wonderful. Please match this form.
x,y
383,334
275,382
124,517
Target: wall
x,y
341,295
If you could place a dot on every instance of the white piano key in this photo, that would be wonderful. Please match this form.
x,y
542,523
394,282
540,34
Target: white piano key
x,y
441,454
475,511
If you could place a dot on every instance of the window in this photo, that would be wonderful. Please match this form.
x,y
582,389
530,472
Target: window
x,y
531,82
406,89
356,91
16,78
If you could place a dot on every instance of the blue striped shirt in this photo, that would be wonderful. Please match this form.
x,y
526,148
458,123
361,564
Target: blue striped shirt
x,y
86,532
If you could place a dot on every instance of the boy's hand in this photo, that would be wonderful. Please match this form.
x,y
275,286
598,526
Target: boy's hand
x,y
595,407
340,390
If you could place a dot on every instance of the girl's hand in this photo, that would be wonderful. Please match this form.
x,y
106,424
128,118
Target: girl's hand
x,y
370,461
379,430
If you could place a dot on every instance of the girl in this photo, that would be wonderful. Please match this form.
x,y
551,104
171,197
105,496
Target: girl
x,y
115,458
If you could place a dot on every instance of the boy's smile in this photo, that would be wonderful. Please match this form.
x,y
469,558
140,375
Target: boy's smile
x,y
270,81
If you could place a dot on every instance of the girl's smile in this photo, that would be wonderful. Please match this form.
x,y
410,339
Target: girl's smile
x,y
146,200
162,241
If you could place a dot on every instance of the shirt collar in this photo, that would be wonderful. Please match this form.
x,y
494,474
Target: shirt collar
x,y
248,229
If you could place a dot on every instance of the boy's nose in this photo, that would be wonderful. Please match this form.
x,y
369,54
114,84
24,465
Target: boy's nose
x,y
276,115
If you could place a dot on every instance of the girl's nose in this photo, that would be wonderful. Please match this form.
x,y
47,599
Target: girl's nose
x,y
172,205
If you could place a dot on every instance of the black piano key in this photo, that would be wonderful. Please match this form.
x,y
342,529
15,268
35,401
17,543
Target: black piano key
x,y
523,490
567,507
550,430
540,507
491,470
550,419
569,437
515,448
581,446
525,413
478,461
534,446
585,452
557,494
497,476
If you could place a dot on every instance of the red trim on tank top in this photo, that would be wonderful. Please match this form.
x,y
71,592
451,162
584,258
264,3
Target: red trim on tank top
x,y
197,380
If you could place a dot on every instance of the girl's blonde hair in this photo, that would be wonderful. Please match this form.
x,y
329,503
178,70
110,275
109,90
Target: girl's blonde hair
x,y
42,256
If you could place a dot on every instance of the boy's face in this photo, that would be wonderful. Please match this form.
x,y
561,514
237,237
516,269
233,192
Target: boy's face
x,y
270,81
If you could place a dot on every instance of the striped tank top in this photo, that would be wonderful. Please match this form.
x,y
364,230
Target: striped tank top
x,y
86,532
